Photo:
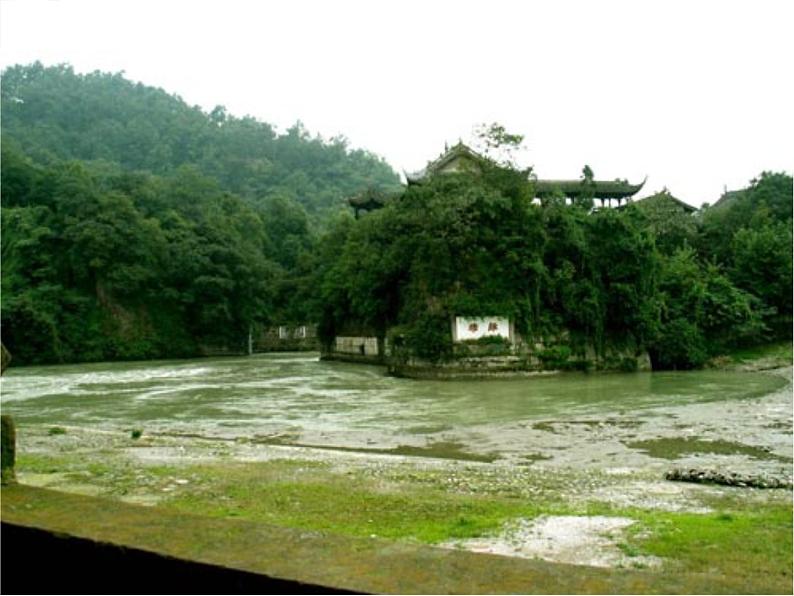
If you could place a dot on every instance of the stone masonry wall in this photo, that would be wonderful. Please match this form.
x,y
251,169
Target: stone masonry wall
x,y
287,338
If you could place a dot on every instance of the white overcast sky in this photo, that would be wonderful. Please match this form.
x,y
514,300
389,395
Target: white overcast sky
x,y
695,94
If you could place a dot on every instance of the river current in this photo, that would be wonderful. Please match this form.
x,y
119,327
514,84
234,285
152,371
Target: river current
x,y
298,396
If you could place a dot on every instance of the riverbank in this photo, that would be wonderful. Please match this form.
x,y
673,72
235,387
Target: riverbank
x,y
585,488
608,518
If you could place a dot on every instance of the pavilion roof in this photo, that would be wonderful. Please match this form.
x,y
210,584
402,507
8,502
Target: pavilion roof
x,y
368,200
664,195
604,189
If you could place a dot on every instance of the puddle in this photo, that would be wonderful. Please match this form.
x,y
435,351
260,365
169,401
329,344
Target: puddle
x,y
576,540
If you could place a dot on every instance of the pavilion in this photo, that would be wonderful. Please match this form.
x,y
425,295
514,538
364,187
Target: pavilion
x,y
461,158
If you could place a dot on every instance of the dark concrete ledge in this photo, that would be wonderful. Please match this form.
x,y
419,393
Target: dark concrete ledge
x,y
79,565
354,358
92,545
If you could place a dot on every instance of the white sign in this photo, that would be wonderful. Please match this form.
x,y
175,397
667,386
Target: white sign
x,y
468,329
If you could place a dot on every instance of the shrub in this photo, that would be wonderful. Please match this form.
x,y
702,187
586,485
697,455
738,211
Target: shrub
x,y
555,357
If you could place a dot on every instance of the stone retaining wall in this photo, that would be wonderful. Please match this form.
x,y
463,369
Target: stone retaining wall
x,y
366,349
489,358
287,338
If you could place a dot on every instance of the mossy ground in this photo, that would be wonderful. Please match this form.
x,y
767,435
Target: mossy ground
x,y
747,541
674,448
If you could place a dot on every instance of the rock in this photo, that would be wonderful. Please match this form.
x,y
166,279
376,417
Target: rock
x,y
8,449
727,479
5,358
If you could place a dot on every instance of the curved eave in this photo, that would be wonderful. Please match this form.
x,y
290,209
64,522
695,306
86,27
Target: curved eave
x,y
604,189
666,196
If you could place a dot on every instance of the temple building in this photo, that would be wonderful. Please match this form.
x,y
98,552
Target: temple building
x,y
461,158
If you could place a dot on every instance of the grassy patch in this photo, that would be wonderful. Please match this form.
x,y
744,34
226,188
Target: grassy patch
x,y
289,494
46,464
744,542
780,351
752,545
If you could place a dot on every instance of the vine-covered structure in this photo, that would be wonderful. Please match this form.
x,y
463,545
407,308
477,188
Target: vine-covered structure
x,y
486,317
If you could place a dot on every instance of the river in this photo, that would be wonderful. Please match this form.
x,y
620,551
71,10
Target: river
x,y
298,399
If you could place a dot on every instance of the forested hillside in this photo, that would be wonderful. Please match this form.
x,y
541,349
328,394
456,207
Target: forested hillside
x,y
136,226
56,114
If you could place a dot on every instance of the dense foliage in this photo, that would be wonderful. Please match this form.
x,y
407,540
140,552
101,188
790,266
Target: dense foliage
x,y
470,245
128,265
475,243
135,226
750,238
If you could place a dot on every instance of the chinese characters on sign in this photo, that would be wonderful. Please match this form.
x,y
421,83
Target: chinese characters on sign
x,y
466,329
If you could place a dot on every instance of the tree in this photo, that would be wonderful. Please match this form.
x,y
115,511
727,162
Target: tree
x,y
702,313
584,198
497,144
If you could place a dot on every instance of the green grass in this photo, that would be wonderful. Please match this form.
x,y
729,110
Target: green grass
x,y
283,493
745,542
46,464
750,544
780,351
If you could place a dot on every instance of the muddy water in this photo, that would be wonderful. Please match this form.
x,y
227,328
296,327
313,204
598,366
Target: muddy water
x,y
296,399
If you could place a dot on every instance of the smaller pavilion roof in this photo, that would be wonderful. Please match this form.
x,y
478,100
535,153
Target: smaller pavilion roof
x,y
664,195
451,154
368,200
